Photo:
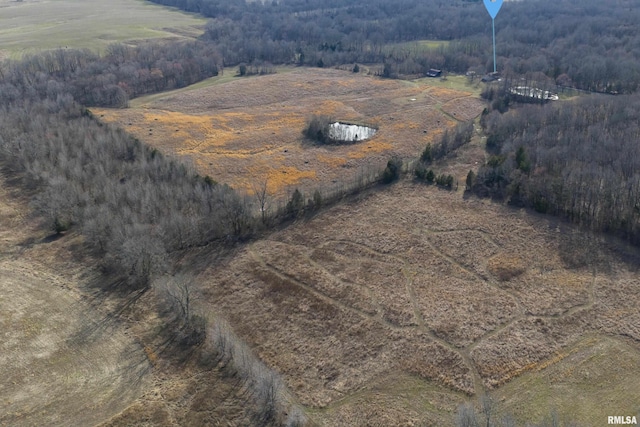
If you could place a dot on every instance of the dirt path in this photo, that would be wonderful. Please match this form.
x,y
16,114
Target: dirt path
x,y
582,307
409,274
332,301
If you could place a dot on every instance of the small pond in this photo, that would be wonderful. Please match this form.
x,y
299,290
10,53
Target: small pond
x,y
350,133
533,92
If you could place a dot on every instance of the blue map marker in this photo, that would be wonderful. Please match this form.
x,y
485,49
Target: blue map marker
x,y
493,7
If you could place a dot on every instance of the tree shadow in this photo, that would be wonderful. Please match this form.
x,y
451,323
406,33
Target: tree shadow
x,y
91,330
581,248
52,238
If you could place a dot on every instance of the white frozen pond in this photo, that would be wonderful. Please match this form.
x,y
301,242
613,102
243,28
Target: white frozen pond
x,y
533,92
352,133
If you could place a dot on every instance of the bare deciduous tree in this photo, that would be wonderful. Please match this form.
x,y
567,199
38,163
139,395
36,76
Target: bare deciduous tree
x,y
261,193
269,403
466,416
180,295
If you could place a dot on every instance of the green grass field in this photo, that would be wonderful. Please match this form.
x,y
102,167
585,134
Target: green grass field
x,y
419,45
454,82
31,25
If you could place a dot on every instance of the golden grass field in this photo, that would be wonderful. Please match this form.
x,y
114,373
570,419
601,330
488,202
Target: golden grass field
x,y
393,309
249,130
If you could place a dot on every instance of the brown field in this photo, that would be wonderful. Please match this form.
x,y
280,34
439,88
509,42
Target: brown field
x,y
250,129
398,306
62,360
70,355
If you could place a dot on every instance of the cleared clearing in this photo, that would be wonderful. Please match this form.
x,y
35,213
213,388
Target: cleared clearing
x,y
398,305
248,130
33,25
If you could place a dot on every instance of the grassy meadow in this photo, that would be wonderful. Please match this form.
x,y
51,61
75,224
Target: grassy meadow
x,y
388,309
243,131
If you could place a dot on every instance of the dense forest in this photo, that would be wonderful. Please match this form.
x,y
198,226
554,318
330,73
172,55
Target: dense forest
x,y
579,159
588,44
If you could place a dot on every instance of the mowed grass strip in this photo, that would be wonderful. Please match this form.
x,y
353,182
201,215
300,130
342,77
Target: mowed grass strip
x,y
596,378
31,26
393,399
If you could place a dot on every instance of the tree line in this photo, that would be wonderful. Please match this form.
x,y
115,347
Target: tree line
x,y
485,413
134,205
579,160
587,44
109,80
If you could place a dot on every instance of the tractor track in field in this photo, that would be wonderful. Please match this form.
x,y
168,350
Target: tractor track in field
x,y
409,272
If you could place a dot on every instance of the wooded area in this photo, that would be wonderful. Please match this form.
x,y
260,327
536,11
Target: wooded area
x,y
110,80
133,204
579,160
589,44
